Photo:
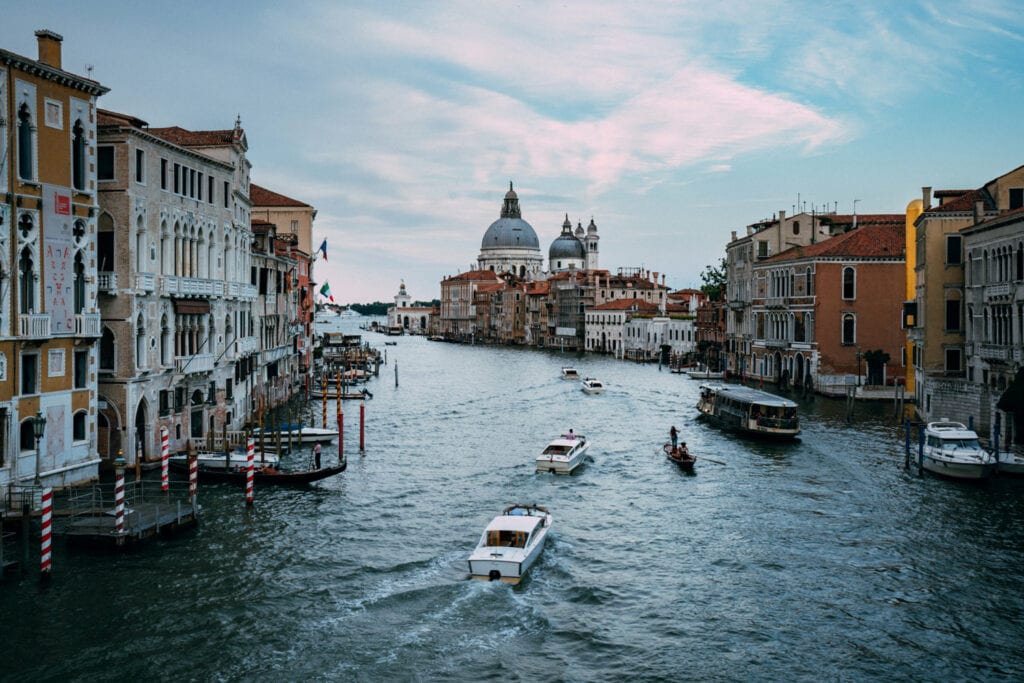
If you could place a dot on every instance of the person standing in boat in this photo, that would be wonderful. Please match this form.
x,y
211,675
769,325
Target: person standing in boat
x,y
674,435
316,454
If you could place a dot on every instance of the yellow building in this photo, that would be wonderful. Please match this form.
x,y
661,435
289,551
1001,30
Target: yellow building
x,y
49,322
914,209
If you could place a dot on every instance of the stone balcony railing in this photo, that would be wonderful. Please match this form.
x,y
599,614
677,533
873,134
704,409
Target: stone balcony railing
x,y
247,345
87,325
106,282
145,282
993,351
998,291
175,285
195,364
34,326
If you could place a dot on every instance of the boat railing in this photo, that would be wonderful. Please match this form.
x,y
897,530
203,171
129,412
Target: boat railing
x,y
778,422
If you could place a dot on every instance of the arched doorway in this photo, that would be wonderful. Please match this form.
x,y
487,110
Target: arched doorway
x,y
798,374
141,446
196,421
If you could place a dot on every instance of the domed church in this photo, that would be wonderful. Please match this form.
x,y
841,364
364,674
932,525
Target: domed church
x,y
574,251
510,244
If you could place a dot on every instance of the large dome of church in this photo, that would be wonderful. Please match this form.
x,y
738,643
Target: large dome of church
x,y
510,231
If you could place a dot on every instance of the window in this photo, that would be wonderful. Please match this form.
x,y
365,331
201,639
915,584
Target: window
x,y
81,369
25,151
192,183
26,281
796,227
105,163
227,390
163,174
107,351
140,166
953,360
200,187
79,283
27,436
179,399
78,426
952,315
1016,197
165,403
211,396
226,195
29,373
849,283
78,155
954,249
849,329
177,178
209,189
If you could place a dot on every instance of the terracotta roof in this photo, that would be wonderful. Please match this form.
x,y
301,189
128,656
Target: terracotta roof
x,y
964,202
873,240
112,118
196,138
685,293
537,288
476,275
484,287
677,308
845,220
261,196
626,305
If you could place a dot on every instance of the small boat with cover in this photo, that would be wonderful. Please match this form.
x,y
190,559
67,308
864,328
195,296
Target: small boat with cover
x,y
510,544
564,454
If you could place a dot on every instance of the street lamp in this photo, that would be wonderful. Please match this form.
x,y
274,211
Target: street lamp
x,y
38,427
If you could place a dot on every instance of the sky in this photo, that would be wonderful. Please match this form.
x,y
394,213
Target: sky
x,y
670,124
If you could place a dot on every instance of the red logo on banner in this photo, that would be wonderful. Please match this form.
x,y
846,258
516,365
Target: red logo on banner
x,y
62,204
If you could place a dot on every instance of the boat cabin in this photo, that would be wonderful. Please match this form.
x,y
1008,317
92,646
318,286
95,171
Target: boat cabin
x,y
506,538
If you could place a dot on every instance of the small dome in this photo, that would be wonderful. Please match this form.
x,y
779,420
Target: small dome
x,y
579,230
566,246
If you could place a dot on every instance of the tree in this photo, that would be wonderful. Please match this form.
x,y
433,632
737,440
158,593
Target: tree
x,y
714,279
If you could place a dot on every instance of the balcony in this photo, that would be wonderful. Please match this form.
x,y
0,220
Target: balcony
x,y
1000,291
240,290
775,302
993,352
776,343
34,326
145,282
193,365
106,282
246,345
271,355
87,325
174,285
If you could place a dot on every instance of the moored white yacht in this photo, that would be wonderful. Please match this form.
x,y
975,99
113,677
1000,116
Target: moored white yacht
x,y
1010,463
510,544
300,433
564,454
592,386
219,460
570,373
952,450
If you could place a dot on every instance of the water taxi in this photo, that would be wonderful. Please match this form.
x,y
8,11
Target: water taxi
x,y
749,411
570,373
299,434
564,454
592,386
231,461
952,450
510,544
704,372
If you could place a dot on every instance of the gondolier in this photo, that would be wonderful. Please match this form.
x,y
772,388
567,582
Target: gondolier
x,y
316,454
674,435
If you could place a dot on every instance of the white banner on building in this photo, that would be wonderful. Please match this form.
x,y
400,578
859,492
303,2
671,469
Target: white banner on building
x,y
58,259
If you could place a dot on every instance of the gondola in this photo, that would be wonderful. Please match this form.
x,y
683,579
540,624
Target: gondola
x,y
265,475
684,459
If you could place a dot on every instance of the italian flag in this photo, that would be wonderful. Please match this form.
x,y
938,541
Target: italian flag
x,y
326,291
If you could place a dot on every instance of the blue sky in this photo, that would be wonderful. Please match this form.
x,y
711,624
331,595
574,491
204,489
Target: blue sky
x,y
671,124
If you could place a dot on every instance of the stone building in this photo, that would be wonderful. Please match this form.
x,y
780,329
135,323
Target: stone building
x,y
49,319
408,318
179,343
458,303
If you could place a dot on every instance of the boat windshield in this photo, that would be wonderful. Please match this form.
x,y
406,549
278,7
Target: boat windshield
x,y
556,449
968,444
774,416
507,539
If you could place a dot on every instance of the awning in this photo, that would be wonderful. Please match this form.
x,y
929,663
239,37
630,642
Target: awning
x,y
191,306
1012,400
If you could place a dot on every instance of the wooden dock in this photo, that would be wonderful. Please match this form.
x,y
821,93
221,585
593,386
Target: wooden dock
x,y
148,512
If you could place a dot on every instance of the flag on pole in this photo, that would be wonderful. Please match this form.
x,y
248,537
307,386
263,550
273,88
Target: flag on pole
x,y
323,248
326,291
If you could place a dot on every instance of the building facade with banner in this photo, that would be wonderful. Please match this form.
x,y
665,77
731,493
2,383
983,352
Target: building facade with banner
x,y
49,319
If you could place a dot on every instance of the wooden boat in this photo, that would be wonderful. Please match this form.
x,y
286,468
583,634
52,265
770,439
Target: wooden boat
x,y
263,475
510,544
681,457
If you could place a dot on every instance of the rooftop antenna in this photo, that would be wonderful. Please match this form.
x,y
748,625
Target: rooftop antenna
x,y
88,70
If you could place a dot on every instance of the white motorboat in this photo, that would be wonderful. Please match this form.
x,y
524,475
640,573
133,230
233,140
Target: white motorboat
x,y
952,450
510,544
704,372
234,460
1010,463
592,386
570,373
564,454
301,434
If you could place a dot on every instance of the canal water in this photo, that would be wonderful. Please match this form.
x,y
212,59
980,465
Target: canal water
x,y
820,559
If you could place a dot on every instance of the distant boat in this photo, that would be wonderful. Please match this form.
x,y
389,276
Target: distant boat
x,y
570,373
300,433
592,386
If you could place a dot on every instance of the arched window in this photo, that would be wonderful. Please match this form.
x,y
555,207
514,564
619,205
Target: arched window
x,y
140,342
107,350
26,282
25,143
849,329
796,227
26,436
165,342
78,155
78,426
79,287
849,283
808,282
1020,263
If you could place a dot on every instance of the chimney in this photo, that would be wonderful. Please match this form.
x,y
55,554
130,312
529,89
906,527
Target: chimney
x,y
979,211
733,235
655,280
49,47
782,217
926,198
663,279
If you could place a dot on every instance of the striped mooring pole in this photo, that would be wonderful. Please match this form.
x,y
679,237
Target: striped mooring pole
x,y
193,476
46,534
341,436
164,461
362,425
250,469
324,378
119,498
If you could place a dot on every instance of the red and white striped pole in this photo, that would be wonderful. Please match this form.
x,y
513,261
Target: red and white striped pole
x,y
325,399
46,534
164,455
250,469
119,500
193,476
362,425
